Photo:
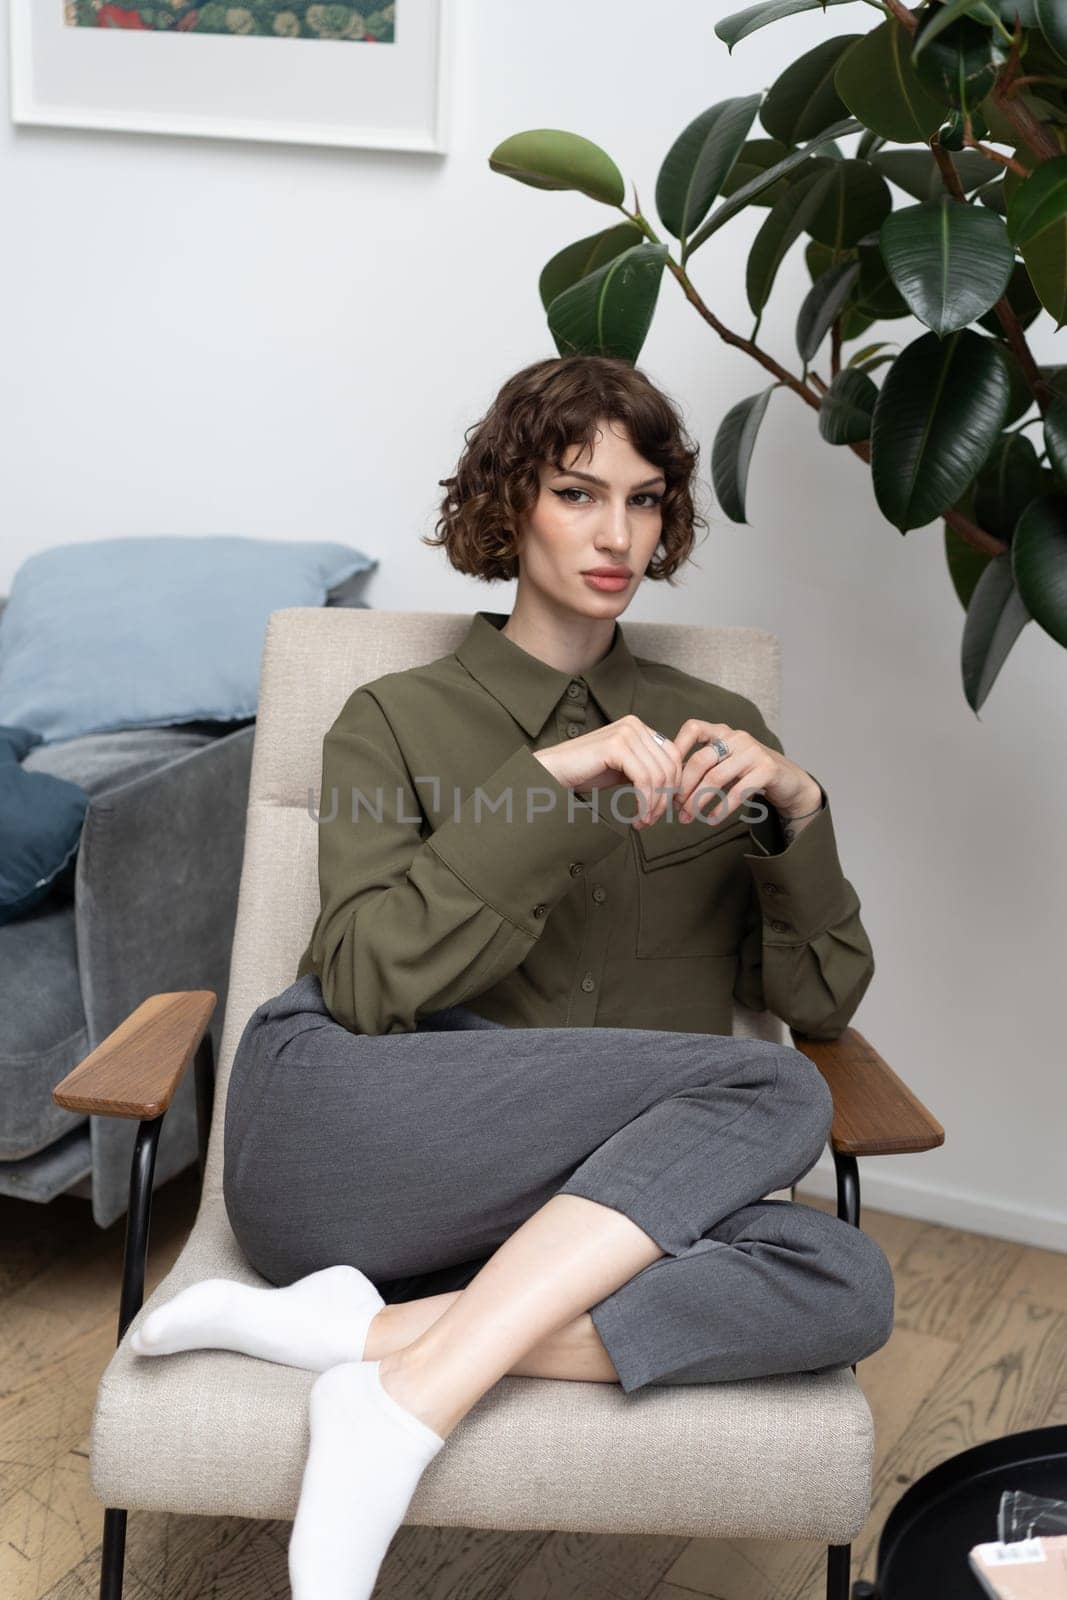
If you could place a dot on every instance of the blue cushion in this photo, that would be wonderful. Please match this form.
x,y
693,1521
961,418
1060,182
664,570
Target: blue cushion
x,y
145,632
41,821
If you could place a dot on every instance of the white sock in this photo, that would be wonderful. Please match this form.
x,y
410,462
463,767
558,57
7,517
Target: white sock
x,y
367,1454
315,1322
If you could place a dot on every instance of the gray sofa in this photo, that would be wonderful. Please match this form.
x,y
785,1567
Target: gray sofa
x,y
149,909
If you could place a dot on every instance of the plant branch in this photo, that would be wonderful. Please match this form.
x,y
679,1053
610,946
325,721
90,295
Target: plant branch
x,y
995,155
726,334
1009,322
1030,130
902,14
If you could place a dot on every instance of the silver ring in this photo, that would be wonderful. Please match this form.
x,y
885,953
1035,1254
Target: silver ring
x,y
657,736
720,748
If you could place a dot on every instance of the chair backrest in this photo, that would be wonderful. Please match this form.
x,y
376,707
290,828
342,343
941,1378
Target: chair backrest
x,y
312,660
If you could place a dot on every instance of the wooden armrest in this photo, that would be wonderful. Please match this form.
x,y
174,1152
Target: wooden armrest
x,y
136,1071
875,1113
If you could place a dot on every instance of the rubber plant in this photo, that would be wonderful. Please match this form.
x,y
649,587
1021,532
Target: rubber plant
x,y
951,208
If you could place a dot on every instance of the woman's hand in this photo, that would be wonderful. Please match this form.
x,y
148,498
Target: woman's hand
x,y
622,752
747,767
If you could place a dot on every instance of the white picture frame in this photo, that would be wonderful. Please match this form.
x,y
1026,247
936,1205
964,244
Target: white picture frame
x,y
385,96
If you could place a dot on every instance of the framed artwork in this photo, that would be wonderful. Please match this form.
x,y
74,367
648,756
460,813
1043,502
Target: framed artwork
x,y
372,75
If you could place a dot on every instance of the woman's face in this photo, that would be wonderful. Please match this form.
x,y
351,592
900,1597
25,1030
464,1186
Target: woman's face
x,y
598,513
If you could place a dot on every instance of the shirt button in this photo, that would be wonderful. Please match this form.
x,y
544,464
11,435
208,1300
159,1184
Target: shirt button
x,y
600,893
574,690
573,730
780,927
539,911
771,888
588,982
576,869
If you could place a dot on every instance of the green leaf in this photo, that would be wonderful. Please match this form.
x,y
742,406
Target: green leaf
x,y
821,305
1039,563
854,322
731,452
946,15
855,201
1020,297
575,260
996,616
876,292
962,63
699,160
608,313
876,80
870,357
740,24
756,186
1056,438
1052,20
868,144
992,195
936,418
551,158
965,565
1008,481
918,174
1039,202
1046,262
755,158
803,101
1045,255
785,223
846,408
950,261
1020,394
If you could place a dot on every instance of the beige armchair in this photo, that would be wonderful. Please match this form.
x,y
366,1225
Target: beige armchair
x,y
217,1433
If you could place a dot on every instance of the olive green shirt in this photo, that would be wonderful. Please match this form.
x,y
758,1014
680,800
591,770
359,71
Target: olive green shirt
x,y
454,868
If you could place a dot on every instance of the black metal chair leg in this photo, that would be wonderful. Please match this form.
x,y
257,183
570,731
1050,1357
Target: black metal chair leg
x,y
204,1068
113,1556
848,1188
135,1255
838,1569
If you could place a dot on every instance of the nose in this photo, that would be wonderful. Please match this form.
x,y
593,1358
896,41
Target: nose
x,y
614,533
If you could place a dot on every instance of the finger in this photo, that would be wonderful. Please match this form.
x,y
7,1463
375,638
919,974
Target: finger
x,y
652,772
695,730
740,776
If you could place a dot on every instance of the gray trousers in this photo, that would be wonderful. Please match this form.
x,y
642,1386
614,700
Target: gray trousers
x,y
413,1156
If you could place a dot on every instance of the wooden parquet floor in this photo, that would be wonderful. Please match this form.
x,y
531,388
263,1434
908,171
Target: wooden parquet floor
x,y
979,1349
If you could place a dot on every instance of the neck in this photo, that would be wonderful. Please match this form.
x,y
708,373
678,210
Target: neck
x,y
559,637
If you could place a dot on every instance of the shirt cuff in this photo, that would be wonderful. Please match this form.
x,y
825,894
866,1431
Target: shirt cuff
x,y
520,839
802,888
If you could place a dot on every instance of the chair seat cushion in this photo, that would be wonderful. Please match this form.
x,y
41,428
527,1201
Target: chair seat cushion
x,y
214,1433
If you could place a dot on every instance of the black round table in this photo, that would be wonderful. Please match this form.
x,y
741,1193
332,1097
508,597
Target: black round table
x,y
922,1554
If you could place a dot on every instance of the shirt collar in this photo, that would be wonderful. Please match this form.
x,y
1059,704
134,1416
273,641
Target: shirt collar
x,y
529,688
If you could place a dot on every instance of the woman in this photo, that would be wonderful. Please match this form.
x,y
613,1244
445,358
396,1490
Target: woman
x,y
443,1207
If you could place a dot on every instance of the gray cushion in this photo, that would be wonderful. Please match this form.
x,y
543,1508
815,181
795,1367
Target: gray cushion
x,y
42,1026
43,1032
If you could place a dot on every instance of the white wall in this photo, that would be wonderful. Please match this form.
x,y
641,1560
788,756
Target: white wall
x,y
204,336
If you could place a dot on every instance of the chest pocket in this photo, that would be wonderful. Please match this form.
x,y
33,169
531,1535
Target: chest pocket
x,y
693,887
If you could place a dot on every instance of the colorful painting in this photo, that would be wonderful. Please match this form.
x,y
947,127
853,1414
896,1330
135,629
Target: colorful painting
x,y
275,19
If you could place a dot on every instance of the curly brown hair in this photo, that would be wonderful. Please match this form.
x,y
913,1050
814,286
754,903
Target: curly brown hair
x,y
540,413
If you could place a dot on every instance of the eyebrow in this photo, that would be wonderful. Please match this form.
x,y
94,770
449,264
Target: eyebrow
x,y
569,472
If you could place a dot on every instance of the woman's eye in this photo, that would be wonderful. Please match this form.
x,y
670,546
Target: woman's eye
x,y
646,494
